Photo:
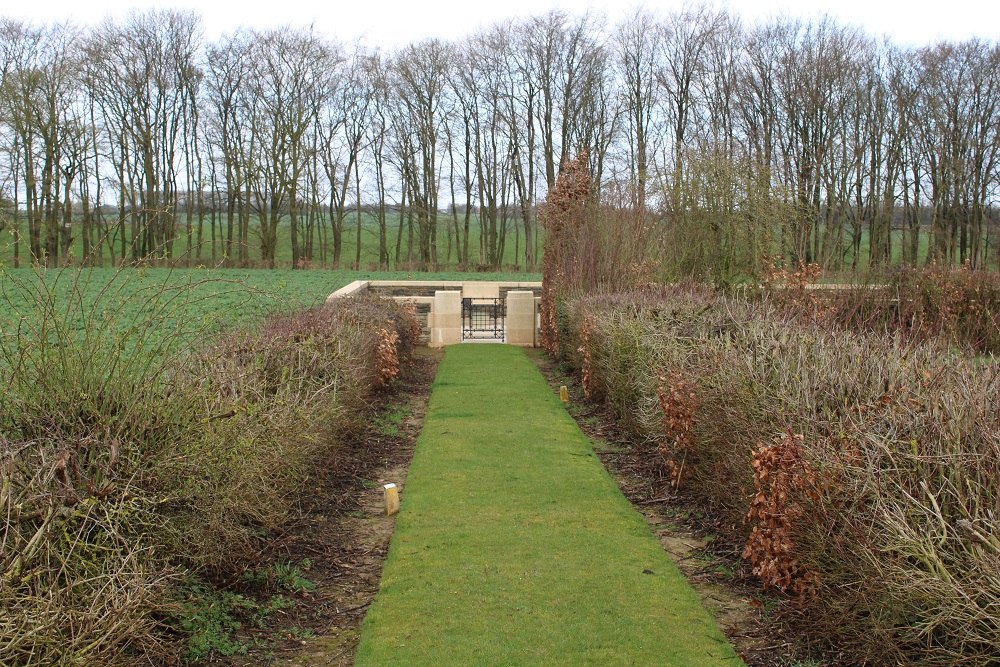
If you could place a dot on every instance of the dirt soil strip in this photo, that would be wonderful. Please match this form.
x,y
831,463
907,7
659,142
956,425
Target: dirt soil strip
x,y
515,547
344,533
345,523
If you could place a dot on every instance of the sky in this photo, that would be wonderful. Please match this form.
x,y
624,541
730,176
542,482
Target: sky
x,y
391,23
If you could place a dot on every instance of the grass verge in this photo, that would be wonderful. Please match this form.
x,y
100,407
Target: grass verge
x,y
515,546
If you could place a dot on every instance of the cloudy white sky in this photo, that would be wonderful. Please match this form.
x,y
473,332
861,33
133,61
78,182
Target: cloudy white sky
x,y
390,23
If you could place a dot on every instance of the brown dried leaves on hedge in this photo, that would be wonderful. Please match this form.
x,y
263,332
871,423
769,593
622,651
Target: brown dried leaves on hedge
x,y
856,470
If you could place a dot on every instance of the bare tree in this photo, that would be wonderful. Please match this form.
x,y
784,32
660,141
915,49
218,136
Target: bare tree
x,y
141,74
637,56
958,108
227,74
41,79
689,119
420,77
290,77
686,38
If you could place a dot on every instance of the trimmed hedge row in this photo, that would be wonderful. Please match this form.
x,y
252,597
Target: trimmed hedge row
x,y
125,466
856,470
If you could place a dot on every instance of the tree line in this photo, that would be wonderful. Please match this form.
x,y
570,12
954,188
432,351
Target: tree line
x,y
805,138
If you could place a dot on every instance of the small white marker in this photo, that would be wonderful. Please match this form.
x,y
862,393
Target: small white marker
x,y
391,499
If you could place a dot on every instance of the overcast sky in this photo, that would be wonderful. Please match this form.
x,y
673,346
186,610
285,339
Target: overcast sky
x,y
391,23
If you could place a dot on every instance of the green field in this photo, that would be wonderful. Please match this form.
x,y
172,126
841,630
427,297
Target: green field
x,y
213,253
515,547
162,310
226,295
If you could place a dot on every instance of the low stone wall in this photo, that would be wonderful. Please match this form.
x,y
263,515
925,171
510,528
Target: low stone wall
x,y
423,306
352,289
435,302
522,318
475,289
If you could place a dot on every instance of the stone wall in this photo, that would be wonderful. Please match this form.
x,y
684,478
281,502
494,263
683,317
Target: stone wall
x,y
422,294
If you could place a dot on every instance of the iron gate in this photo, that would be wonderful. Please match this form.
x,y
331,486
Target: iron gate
x,y
483,319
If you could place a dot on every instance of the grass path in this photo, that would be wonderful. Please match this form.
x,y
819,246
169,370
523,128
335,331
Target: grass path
x,y
515,547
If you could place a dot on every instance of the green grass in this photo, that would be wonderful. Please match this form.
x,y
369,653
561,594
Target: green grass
x,y
391,422
197,300
513,250
515,547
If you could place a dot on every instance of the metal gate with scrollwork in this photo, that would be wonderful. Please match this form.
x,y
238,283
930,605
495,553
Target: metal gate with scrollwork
x,y
483,319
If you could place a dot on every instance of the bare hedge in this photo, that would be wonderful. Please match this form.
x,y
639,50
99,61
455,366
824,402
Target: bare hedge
x,y
125,465
857,470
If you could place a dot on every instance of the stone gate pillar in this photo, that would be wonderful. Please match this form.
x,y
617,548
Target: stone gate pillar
x,y
445,318
521,319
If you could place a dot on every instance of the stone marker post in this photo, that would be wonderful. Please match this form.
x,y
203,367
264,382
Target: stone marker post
x,y
521,319
445,319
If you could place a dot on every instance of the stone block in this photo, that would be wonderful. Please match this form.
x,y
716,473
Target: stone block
x,y
521,319
481,289
446,318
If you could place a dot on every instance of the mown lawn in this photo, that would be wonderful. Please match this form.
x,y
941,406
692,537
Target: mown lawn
x,y
515,547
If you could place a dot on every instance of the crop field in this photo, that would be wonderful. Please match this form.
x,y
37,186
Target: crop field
x,y
196,300
212,248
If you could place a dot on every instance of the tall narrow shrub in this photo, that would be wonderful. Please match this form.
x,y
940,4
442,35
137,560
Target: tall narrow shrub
x,y
566,207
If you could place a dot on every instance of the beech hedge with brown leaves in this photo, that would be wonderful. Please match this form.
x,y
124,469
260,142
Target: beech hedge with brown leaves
x,y
855,470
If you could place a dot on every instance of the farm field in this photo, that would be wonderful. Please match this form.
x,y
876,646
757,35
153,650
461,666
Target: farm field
x,y
212,252
197,299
